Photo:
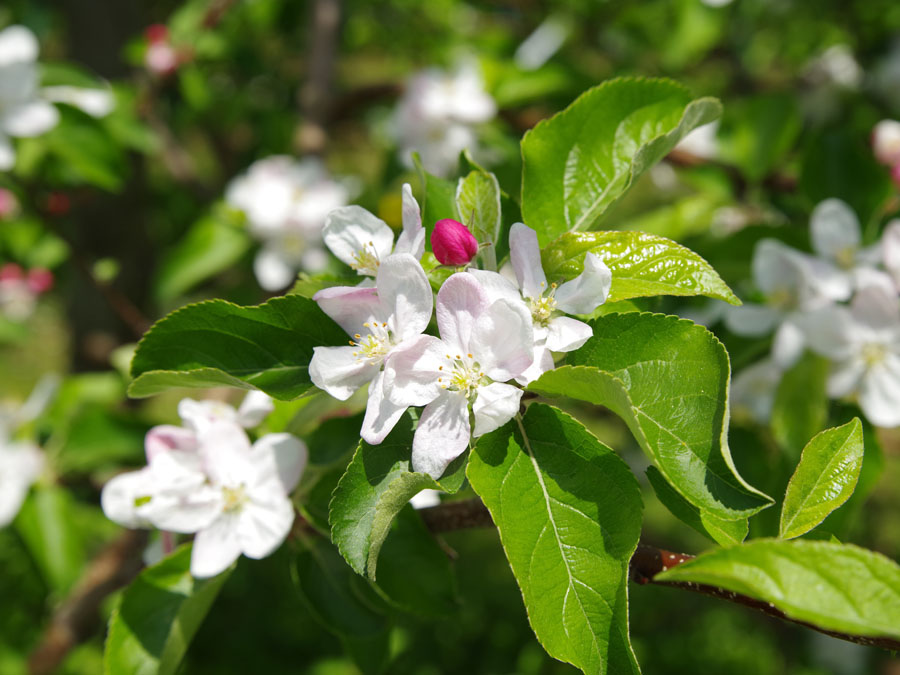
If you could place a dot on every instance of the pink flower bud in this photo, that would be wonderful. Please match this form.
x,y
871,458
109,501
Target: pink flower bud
x,y
11,272
895,174
452,243
156,33
886,142
8,203
40,279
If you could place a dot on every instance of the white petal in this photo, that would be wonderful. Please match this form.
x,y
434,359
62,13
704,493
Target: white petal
x,y
890,248
225,450
340,373
566,334
122,495
879,394
12,497
834,229
863,277
274,270
405,294
751,320
278,461
20,464
753,390
830,331
198,415
95,102
525,254
412,239
381,413
845,377
587,291
503,340
254,409
876,306
412,369
543,361
7,153
788,344
349,230
442,434
496,286
216,547
29,119
495,405
460,304
775,268
167,437
261,528
17,44
350,306
425,499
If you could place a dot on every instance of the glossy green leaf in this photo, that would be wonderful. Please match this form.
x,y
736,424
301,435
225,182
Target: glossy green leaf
x,y
837,587
569,515
478,205
378,483
824,479
581,160
157,617
801,404
439,201
668,379
724,532
46,523
642,265
217,343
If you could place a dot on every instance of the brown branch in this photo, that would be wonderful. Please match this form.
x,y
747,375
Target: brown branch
x,y
77,617
315,95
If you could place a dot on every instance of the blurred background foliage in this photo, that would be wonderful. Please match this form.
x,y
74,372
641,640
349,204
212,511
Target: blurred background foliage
x,y
128,213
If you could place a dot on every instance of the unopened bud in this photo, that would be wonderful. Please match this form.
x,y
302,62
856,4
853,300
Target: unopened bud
x,y
886,142
11,272
40,279
452,243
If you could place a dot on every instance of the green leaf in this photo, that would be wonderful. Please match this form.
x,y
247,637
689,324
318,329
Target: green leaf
x,y
478,205
801,404
581,160
642,265
825,478
668,379
158,616
377,484
569,515
217,343
210,246
47,525
724,532
439,201
837,587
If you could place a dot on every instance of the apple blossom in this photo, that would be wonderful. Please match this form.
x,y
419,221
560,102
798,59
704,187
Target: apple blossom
x,y
19,290
836,237
482,345
452,243
381,320
886,142
362,240
160,58
21,463
286,203
252,411
753,390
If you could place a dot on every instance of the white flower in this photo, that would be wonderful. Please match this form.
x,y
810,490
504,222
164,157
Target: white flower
x,y
286,203
890,249
20,465
863,343
753,390
483,344
886,142
234,496
379,319
437,113
25,109
702,141
837,238
199,414
546,303
362,240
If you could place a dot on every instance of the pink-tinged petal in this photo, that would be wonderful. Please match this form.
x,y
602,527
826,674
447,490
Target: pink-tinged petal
x,y
751,320
834,230
830,332
845,377
166,437
122,496
255,407
877,307
864,277
442,434
496,286
340,373
357,238
879,393
274,269
525,254
566,334
381,413
261,528
460,304
278,461
495,405
412,239
452,243
503,340
543,361
350,306
405,294
886,142
788,344
17,44
198,415
412,369
587,291
30,119
216,547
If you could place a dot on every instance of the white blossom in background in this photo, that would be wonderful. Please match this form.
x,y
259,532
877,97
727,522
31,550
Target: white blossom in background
x,y
836,237
25,107
753,390
863,343
437,116
836,66
483,344
886,142
890,250
20,290
286,203
196,415
546,303
380,320
362,240
702,141
543,43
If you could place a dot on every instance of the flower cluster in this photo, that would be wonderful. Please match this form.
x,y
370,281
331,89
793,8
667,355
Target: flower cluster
x,y
20,289
493,335
206,478
805,300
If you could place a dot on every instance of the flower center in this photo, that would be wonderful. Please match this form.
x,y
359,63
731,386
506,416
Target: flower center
x,y
782,298
846,257
374,346
235,498
543,307
365,261
463,374
873,354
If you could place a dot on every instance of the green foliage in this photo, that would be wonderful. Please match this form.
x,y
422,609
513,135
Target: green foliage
x,y
580,161
569,515
825,478
48,527
801,403
158,616
218,343
637,365
837,587
478,204
642,265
